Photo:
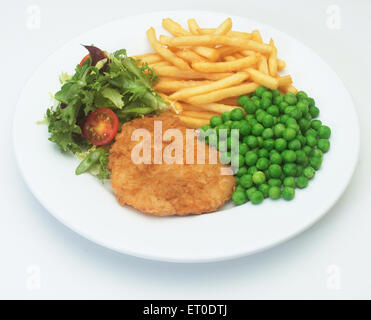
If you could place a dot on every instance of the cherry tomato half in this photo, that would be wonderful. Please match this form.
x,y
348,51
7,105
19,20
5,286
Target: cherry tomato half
x,y
101,126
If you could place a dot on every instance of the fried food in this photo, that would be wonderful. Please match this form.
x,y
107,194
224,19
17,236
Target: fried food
x,y
167,189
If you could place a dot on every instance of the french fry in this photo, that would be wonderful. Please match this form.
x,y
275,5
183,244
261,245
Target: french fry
x,y
223,93
189,107
228,66
214,40
263,65
175,106
177,30
190,56
229,58
224,28
217,85
247,53
262,79
217,107
209,53
194,123
171,85
227,50
272,60
281,64
193,26
174,28
148,58
292,89
232,101
238,55
174,72
256,36
159,64
237,34
284,81
199,114
164,52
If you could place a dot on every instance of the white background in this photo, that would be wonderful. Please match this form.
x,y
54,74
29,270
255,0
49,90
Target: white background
x,y
331,260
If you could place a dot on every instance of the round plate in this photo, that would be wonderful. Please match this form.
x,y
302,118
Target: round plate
x,y
90,208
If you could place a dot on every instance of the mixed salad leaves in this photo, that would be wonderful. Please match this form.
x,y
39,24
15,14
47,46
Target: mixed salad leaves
x,y
106,90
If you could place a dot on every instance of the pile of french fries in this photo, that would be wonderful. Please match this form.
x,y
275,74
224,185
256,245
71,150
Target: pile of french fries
x,y
203,71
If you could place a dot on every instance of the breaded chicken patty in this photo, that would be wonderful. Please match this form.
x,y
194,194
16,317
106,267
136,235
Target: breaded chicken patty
x,y
166,189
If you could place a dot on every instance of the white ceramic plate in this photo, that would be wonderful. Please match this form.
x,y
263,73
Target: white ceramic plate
x,y
90,209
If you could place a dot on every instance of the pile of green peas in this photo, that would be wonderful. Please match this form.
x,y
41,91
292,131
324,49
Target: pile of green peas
x,y
281,144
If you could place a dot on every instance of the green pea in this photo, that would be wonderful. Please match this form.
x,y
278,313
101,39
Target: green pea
x,y
250,191
296,114
246,181
309,172
275,93
275,171
242,100
311,102
251,158
277,100
275,158
252,169
274,192
316,124
263,153
299,170
288,193
303,106
264,189
289,156
307,150
294,144
280,144
268,144
262,163
267,95
273,110
215,121
236,114
315,162
302,139
249,117
241,171
236,125
239,197
274,182
268,133
301,95
251,141
289,169
243,148
304,124
289,134
250,107
317,153
258,177
324,132
311,140
260,90
300,156
245,129
282,106
278,130
257,197
290,98
301,182
314,111
268,121
265,103
257,129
